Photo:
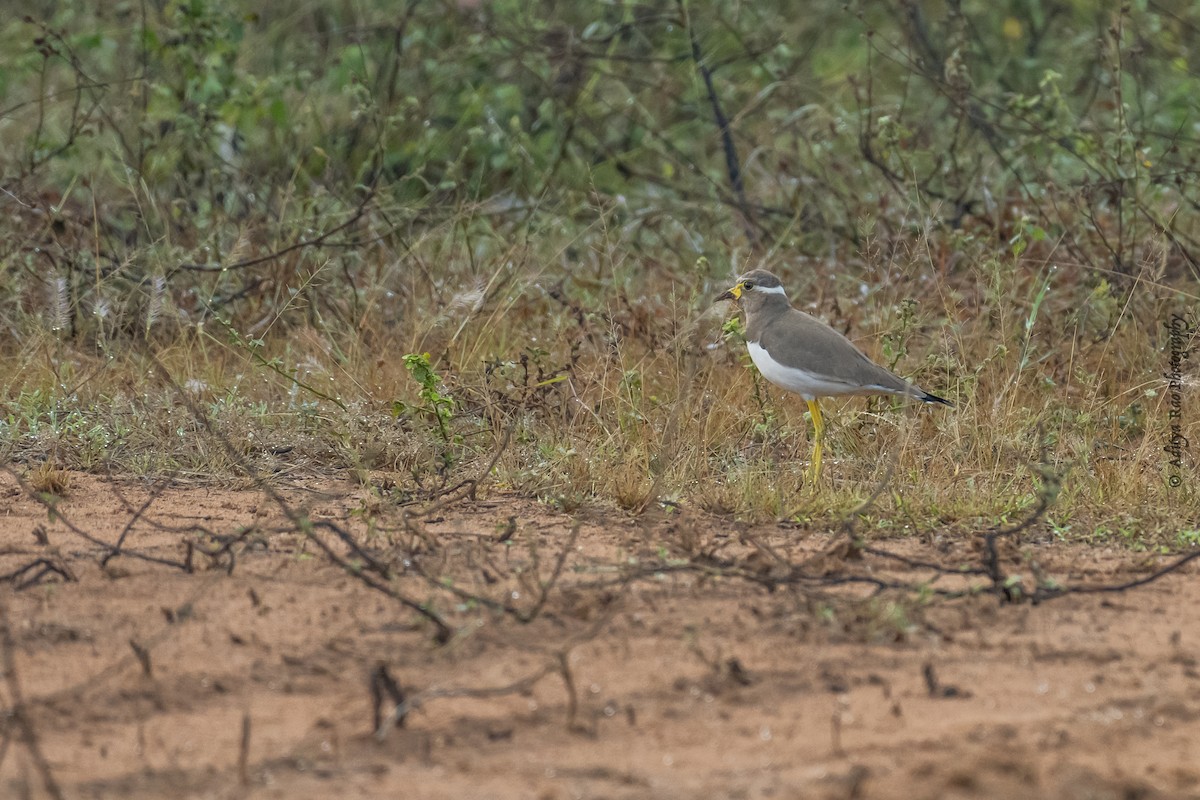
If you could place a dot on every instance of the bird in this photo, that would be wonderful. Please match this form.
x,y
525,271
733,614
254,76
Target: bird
x,y
803,355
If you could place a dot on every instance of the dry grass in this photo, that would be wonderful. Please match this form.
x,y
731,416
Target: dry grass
x,y
50,480
618,384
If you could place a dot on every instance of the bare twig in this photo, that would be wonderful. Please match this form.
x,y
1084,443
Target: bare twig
x,y
244,752
301,522
402,710
991,560
1050,593
525,615
155,493
319,239
732,165
54,511
382,683
142,653
41,567
18,712
471,485
564,669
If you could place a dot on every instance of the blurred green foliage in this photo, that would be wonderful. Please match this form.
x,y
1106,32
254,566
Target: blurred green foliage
x,y
203,133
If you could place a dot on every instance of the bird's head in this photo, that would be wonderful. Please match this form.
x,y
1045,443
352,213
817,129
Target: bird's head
x,y
754,289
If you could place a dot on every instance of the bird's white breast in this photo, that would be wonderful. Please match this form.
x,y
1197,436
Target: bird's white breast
x,y
804,383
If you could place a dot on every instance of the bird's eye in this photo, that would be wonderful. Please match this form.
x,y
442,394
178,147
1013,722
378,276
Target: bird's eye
x,y
747,284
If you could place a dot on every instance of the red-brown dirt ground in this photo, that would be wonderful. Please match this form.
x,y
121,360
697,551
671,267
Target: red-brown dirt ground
x,y
140,679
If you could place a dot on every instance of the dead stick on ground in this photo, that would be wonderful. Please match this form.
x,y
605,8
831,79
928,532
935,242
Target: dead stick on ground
x,y
4,746
52,509
18,712
472,484
402,710
835,733
301,522
549,584
564,668
244,752
155,493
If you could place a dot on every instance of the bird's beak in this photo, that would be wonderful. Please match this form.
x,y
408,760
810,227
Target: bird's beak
x,y
733,293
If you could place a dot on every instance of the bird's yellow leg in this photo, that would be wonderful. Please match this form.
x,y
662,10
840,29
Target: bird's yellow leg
x,y
814,467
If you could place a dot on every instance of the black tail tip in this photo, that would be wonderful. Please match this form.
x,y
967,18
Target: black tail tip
x,y
933,398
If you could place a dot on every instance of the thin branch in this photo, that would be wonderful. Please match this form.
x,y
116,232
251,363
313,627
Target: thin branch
x,y
401,710
732,165
55,513
320,239
155,493
301,522
1051,593
18,711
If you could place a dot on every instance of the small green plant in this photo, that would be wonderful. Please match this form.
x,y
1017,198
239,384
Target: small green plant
x,y
1027,232
895,343
437,405
733,331
1189,538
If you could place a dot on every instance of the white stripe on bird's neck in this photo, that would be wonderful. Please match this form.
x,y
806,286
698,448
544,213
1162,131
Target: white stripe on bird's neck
x,y
771,290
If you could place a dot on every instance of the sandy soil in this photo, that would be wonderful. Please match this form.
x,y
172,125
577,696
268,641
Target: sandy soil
x,y
142,680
